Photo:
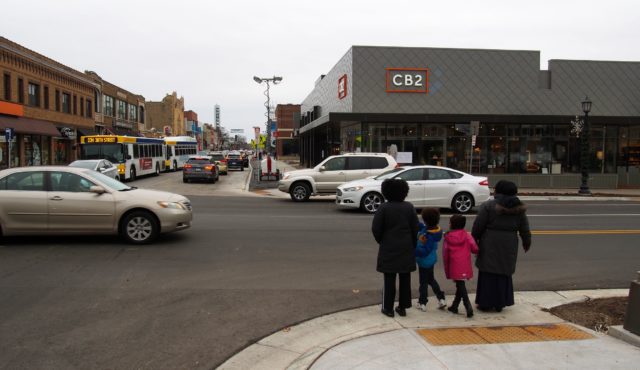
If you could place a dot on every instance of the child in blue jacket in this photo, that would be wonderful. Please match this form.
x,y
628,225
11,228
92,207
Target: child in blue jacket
x,y
429,235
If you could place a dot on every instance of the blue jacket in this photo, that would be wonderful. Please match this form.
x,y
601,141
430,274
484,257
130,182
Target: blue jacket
x,y
427,252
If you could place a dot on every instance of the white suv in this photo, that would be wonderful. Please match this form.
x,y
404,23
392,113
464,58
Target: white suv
x,y
334,171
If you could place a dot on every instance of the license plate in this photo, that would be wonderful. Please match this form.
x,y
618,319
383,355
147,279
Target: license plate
x,y
198,170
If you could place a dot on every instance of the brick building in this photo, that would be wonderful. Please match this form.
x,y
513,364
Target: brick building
x,y
118,111
166,116
45,103
288,119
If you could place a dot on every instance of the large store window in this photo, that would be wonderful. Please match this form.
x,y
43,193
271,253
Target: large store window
x,y
351,135
36,150
9,158
629,153
61,148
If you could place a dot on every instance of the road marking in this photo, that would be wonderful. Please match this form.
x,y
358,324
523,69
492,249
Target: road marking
x,y
583,232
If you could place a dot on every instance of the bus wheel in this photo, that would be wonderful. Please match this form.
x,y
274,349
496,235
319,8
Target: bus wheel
x,y
132,174
157,169
175,166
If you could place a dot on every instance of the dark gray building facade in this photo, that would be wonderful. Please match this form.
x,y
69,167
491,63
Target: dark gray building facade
x,y
488,112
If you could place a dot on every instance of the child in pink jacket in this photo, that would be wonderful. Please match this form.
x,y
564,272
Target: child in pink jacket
x,y
458,246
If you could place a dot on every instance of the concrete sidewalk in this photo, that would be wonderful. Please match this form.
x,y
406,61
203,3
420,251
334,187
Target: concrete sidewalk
x,y
365,339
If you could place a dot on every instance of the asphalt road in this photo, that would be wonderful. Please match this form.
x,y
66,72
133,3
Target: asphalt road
x,y
250,265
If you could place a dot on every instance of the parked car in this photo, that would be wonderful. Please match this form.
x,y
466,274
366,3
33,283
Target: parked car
x,y
51,200
234,160
220,159
334,171
429,186
200,168
103,166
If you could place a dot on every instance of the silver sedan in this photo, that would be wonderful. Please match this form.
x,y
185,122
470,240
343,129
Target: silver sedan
x,y
103,166
62,200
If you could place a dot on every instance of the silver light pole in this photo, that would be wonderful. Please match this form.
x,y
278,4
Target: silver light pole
x,y
275,80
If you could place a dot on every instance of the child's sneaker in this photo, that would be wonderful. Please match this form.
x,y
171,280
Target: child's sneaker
x,y
422,307
442,304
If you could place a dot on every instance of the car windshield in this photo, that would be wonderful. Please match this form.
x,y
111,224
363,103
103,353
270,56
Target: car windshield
x,y
108,181
83,164
389,174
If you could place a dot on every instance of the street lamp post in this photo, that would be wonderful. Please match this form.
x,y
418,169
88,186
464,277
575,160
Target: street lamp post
x,y
275,80
584,149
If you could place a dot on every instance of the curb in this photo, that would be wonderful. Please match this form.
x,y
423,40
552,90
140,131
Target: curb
x,y
299,346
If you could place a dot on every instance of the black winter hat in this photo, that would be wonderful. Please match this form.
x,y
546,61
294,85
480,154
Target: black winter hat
x,y
506,187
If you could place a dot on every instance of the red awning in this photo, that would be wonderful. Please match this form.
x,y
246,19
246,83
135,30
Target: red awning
x,y
28,126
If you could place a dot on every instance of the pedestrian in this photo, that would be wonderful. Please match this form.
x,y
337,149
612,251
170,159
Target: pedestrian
x,y
395,229
496,229
456,253
429,235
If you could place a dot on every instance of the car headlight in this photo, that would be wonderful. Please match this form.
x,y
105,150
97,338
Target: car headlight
x,y
172,205
286,176
352,188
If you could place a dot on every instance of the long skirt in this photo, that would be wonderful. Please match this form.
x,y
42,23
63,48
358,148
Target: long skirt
x,y
494,290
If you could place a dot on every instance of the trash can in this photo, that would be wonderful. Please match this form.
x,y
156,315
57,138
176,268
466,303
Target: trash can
x,y
632,317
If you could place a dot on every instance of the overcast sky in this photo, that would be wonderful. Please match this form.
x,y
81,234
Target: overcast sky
x,y
209,51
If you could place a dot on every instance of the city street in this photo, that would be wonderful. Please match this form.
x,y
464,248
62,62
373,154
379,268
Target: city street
x,y
250,265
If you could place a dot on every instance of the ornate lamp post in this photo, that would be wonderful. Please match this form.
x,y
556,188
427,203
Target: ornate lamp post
x,y
584,148
275,81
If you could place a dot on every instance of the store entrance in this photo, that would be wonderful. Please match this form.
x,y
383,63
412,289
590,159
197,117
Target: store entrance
x,y
433,152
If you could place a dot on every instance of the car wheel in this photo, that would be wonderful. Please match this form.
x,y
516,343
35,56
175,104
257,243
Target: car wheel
x,y
241,168
300,192
175,166
157,170
132,174
370,202
139,227
462,202
185,180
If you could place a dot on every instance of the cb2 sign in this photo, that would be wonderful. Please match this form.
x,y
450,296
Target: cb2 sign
x,y
408,80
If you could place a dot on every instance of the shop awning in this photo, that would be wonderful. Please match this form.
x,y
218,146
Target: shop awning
x,y
28,126
82,131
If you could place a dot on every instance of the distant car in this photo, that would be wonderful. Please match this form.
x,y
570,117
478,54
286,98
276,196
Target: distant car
x,y
234,160
63,200
429,186
220,160
200,168
103,166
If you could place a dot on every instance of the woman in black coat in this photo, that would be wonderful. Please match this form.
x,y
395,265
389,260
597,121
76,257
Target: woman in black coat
x,y
395,228
496,230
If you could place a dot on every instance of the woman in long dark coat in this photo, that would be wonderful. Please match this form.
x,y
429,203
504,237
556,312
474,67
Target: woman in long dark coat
x,y
496,230
395,228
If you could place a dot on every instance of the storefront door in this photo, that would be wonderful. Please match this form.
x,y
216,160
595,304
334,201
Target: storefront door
x,y
433,152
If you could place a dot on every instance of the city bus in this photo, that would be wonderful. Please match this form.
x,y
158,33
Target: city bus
x,y
134,156
178,150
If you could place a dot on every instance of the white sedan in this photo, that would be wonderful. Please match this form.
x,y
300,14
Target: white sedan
x,y
429,186
103,166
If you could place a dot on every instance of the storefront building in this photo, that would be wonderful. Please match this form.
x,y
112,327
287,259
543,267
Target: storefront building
x,y
43,104
287,118
490,112
118,111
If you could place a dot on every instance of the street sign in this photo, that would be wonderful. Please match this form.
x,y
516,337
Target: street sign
x,y
8,133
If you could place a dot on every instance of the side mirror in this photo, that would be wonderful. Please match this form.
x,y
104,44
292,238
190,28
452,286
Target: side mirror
x,y
97,189
322,168
128,156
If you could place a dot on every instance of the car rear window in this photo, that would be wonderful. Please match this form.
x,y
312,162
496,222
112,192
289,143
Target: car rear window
x,y
217,157
198,161
234,156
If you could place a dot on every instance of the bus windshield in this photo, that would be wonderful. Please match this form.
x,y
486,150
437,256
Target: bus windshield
x,y
112,152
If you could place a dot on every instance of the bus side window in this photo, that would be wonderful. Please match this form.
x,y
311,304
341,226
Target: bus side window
x,y
135,151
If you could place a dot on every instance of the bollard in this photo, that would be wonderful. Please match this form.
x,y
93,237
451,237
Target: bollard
x,y
632,317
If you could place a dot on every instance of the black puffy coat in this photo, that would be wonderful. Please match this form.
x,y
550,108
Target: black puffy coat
x,y
496,230
395,228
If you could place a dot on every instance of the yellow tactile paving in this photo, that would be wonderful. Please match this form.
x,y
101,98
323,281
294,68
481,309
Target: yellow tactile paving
x,y
506,334
502,334
453,336
558,332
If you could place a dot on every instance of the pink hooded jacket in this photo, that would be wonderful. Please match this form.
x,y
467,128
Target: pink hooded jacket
x,y
458,246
